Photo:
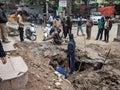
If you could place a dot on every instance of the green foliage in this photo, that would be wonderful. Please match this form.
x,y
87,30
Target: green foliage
x,y
112,1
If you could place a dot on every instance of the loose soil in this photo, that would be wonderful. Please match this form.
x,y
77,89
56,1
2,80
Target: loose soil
x,y
39,56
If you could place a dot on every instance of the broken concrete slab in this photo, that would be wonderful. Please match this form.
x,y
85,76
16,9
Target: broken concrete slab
x,y
92,53
13,73
9,46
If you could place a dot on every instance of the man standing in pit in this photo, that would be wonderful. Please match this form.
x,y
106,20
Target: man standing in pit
x,y
71,54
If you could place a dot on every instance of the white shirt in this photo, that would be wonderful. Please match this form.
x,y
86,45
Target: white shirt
x,y
51,19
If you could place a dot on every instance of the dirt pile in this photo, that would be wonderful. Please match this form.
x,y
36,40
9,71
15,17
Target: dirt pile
x,y
41,74
38,57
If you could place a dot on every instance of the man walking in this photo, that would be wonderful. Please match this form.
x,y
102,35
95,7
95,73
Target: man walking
x,y
3,20
71,54
80,26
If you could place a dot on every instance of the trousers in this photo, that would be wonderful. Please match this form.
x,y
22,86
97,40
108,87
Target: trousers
x,y
4,34
21,32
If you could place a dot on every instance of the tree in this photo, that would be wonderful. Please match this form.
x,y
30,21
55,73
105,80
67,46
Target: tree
x,y
112,0
15,1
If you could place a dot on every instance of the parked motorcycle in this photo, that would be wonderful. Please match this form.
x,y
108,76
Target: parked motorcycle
x,y
47,32
30,32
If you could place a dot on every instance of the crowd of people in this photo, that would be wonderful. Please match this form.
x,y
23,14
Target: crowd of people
x,y
59,25
64,24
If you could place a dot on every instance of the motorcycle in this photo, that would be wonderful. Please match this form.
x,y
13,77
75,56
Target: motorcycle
x,y
30,32
47,32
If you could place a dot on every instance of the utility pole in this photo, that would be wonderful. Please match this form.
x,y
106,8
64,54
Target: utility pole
x,y
47,8
69,6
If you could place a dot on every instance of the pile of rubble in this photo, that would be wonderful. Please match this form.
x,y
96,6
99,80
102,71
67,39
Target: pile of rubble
x,y
38,57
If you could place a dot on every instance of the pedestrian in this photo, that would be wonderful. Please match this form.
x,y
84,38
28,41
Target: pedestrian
x,y
2,56
64,28
57,23
71,54
101,23
40,17
3,20
68,26
107,26
50,19
20,17
89,25
80,26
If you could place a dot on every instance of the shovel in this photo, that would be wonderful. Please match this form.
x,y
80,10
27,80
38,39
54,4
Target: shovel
x,y
99,66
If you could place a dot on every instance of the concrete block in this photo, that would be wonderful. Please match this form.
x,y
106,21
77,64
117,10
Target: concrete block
x,y
14,74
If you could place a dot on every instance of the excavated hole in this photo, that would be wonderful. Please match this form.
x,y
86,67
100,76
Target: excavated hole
x,y
82,64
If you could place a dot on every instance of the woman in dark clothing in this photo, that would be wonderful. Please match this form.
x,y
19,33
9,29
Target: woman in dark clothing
x,y
2,54
68,26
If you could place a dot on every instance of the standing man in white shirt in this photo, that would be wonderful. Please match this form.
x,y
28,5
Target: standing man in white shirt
x,y
50,19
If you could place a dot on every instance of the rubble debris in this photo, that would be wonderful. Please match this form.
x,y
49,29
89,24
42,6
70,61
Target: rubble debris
x,y
90,76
